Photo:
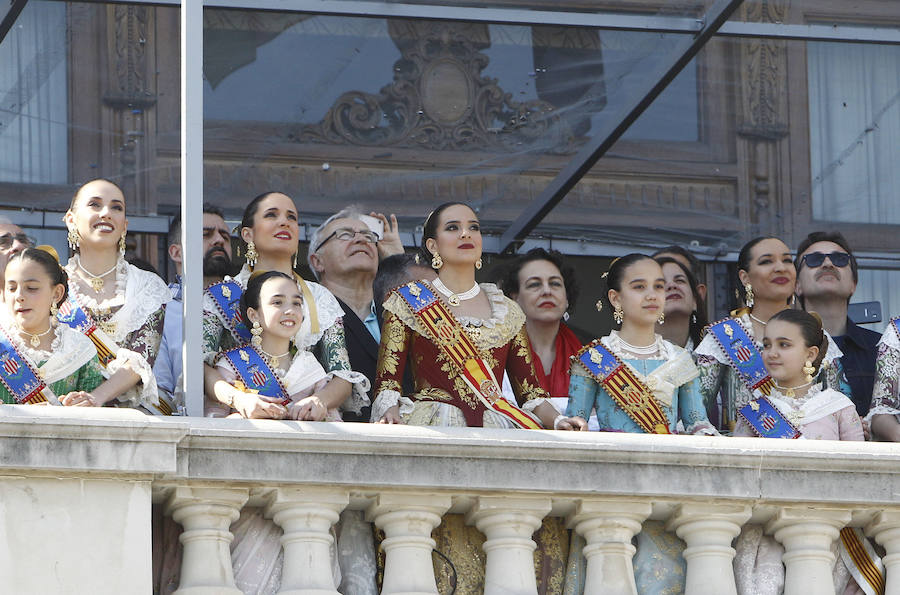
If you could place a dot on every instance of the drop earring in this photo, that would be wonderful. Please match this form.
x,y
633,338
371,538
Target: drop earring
x,y
618,314
748,295
437,262
251,255
256,331
54,310
662,318
478,264
809,370
122,245
599,305
74,238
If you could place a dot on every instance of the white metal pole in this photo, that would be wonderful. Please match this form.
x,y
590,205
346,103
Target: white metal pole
x,y
192,200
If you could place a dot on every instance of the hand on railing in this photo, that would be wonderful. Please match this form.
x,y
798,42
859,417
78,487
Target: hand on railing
x,y
391,416
575,424
252,406
78,398
310,408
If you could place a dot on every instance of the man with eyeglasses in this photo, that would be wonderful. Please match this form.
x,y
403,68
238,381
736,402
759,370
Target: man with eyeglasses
x,y
12,241
827,274
343,255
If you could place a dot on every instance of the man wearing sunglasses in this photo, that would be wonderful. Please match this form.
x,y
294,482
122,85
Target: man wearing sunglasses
x,y
12,241
827,274
343,255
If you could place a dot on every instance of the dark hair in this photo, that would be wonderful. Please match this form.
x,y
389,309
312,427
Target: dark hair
x,y
616,272
834,237
75,196
698,319
392,271
687,254
249,213
50,263
429,229
743,261
250,297
811,330
174,236
509,283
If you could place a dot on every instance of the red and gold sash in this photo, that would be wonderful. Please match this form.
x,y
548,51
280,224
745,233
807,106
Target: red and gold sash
x,y
863,563
627,390
448,334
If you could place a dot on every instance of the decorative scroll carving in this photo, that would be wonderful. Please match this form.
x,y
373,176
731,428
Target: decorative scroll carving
x,y
130,84
439,100
764,67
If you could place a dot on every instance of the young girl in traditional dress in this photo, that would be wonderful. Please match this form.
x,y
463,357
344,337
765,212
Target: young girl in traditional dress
x,y
269,368
794,347
35,348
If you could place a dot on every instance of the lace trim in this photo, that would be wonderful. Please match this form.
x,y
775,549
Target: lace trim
x,y
814,405
889,337
69,351
145,392
118,298
387,399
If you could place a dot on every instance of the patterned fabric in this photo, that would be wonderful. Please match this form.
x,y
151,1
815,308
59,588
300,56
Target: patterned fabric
x,y
886,394
86,378
821,414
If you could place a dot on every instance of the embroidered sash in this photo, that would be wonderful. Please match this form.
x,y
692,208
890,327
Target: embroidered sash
x,y
861,560
72,314
895,322
255,373
745,358
22,380
767,421
448,334
627,390
227,297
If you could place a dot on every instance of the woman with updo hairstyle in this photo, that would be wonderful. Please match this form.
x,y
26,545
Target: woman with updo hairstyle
x,y
34,345
685,310
768,278
119,306
269,236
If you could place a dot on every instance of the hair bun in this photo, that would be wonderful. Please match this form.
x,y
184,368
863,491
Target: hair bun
x,y
49,250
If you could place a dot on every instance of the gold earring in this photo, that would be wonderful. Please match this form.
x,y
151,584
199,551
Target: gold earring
x,y
54,310
74,238
437,262
809,370
618,315
478,264
662,318
122,245
599,305
748,295
251,256
256,331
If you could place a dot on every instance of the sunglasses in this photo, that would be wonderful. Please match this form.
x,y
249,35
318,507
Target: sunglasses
x,y
815,259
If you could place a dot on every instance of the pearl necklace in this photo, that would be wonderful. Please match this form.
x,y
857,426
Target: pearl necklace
x,y
788,391
96,281
35,339
646,350
455,298
764,323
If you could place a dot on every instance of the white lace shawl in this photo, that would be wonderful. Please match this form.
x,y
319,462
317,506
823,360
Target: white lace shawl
x,y
813,406
891,340
69,351
140,293
710,347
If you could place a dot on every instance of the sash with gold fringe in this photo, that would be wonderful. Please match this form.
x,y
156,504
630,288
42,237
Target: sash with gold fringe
x,y
861,560
227,297
627,390
255,374
450,337
23,381
741,351
767,421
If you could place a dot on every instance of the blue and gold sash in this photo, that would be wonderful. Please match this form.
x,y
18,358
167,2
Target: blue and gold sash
x,y
22,381
72,314
448,334
255,373
227,297
767,421
745,358
629,393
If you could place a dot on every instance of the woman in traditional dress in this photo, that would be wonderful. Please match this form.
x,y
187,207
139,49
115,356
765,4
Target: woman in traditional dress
x,y
685,310
118,306
270,232
427,327
731,365
884,414
35,346
794,346
665,378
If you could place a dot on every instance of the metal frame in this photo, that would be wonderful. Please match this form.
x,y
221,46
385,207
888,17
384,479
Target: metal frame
x,y
15,9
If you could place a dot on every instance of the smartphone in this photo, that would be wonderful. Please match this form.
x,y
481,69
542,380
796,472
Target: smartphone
x,y
864,312
374,224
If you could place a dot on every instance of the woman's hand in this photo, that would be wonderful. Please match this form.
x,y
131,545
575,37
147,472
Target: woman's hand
x,y
310,408
78,398
575,424
391,416
252,406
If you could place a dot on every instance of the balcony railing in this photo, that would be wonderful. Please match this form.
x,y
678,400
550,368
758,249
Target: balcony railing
x,y
77,487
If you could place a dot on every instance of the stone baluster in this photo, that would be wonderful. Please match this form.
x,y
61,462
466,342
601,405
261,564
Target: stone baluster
x,y
807,535
306,516
206,515
885,529
508,523
407,521
608,526
708,530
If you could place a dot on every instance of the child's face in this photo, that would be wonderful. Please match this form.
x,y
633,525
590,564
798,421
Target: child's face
x,y
785,352
280,307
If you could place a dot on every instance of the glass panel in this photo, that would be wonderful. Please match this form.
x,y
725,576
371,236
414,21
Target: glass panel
x,y
91,90
872,13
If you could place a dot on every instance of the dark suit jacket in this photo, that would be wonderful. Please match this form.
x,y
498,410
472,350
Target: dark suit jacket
x,y
363,352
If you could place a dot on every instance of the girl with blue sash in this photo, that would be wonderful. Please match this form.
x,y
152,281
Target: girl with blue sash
x,y
35,348
115,304
270,234
639,382
794,346
731,369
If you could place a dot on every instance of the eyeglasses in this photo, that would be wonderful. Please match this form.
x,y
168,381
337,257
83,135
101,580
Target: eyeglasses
x,y
345,234
816,259
6,241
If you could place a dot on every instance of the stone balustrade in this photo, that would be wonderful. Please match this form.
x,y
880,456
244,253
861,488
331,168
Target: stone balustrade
x,y
77,486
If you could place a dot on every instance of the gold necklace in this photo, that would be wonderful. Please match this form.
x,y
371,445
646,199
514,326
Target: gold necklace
x,y
35,339
788,391
757,319
272,360
96,281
